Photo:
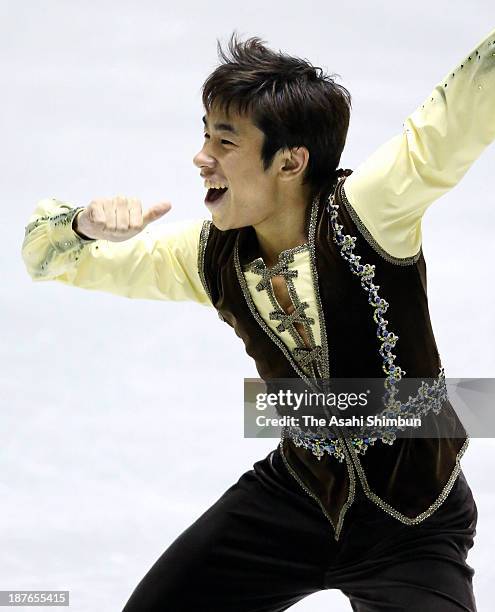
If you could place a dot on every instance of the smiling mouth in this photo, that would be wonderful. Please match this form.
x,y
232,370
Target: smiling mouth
x,y
213,194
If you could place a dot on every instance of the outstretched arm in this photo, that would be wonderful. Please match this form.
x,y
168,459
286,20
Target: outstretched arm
x,y
159,263
441,139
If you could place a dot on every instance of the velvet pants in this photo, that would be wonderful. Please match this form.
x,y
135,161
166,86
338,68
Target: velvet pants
x,y
265,545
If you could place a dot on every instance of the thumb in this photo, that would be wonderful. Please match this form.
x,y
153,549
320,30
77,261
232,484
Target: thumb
x,y
156,211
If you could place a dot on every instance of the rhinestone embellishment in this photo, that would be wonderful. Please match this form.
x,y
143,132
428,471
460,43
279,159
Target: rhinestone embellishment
x,y
320,441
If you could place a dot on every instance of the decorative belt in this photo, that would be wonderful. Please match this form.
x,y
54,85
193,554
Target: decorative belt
x,y
428,398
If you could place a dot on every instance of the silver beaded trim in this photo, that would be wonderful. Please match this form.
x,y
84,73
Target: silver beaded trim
x,y
307,357
428,398
303,486
350,498
284,257
203,239
74,247
399,261
295,365
63,218
429,511
259,318
318,445
394,373
320,442
325,360
314,358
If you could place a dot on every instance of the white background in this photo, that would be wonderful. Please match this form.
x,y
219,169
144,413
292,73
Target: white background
x,y
122,419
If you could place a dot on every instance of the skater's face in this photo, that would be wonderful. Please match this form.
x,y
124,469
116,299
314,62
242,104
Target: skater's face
x,y
231,157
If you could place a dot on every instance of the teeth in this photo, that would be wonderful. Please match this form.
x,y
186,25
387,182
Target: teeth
x,y
210,185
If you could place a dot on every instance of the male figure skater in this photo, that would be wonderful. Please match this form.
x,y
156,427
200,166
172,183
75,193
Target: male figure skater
x,y
303,260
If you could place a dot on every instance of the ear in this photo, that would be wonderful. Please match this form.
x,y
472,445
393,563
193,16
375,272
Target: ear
x,y
293,162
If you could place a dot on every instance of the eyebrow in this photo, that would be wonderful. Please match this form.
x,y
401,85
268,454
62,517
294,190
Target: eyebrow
x,y
222,127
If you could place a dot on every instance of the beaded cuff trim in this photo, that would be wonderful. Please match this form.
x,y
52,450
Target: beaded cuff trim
x,y
58,233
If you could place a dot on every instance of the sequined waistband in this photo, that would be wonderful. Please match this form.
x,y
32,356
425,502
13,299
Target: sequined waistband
x,y
430,397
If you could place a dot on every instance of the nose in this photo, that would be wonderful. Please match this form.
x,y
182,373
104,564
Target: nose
x,y
201,159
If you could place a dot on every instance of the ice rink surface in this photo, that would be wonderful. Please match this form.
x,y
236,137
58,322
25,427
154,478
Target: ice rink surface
x,y
122,420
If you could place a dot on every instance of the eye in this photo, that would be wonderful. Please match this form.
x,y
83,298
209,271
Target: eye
x,y
223,141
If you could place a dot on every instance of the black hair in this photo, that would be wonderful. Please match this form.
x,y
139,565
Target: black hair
x,y
291,101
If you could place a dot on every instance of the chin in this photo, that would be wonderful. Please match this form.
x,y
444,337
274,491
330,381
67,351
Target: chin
x,y
222,226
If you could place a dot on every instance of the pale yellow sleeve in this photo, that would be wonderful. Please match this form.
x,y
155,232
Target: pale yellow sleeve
x,y
160,263
391,190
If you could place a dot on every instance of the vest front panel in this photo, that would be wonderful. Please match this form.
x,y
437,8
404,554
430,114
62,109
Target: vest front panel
x,y
364,296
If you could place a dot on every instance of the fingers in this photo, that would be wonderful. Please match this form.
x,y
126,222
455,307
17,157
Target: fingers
x,y
109,208
120,218
121,215
135,214
96,213
116,215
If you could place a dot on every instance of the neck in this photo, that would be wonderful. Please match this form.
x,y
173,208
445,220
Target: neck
x,y
282,232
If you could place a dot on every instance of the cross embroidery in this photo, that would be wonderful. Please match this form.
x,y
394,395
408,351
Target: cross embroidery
x,y
304,356
279,269
288,320
307,358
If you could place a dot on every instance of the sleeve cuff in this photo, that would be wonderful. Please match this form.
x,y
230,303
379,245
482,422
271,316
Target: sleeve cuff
x,y
63,236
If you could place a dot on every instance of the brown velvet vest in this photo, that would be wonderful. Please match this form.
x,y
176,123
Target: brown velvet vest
x,y
408,479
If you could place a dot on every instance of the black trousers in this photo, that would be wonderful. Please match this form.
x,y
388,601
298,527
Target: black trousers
x,y
264,545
